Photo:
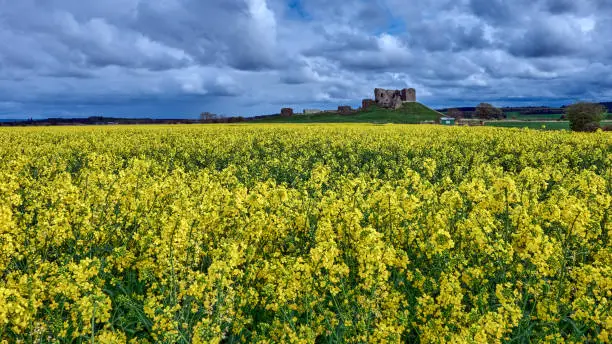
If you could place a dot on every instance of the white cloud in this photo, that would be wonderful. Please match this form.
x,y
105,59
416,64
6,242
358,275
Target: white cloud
x,y
392,48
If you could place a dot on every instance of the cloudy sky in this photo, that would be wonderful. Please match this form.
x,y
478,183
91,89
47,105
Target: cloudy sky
x,y
177,58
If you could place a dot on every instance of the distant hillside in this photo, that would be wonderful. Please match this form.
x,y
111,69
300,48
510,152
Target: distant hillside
x,y
95,120
608,105
524,110
409,113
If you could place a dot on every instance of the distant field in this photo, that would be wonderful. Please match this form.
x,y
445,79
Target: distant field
x,y
535,117
531,125
518,116
410,113
548,125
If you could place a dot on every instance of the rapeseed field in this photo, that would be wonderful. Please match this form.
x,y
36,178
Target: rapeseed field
x,y
304,234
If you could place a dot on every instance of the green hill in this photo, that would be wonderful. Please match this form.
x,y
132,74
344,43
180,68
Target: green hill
x,y
409,113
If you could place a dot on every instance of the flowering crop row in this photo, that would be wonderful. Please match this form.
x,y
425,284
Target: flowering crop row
x,y
322,233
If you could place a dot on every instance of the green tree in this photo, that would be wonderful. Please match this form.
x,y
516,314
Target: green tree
x,y
488,111
585,116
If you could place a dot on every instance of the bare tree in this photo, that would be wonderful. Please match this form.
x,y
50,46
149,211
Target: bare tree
x,y
207,116
488,111
455,113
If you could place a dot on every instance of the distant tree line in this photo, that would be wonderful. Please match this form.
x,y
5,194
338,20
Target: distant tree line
x,y
209,117
469,111
482,111
608,106
95,120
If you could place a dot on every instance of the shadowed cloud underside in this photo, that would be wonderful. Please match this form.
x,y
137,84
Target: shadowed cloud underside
x,y
177,58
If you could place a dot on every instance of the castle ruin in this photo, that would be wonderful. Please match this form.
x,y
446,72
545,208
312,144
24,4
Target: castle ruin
x,y
345,110
392,99
286,112
366,103
389,99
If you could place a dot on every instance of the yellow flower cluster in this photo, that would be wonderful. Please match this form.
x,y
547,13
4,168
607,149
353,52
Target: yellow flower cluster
x,y
303,234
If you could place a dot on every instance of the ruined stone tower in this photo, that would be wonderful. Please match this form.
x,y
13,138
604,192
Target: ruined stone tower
x,y
366,103
393,99
409,95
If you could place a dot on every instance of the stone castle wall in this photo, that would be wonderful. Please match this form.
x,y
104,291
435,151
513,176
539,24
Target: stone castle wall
x,y
409,95
366,103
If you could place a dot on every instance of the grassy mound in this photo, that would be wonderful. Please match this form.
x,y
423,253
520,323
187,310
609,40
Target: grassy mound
x,y
409,113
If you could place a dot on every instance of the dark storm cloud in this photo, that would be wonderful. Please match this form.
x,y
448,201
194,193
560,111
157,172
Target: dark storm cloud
x,y
253,56
542,41
453,37
560,6
493,10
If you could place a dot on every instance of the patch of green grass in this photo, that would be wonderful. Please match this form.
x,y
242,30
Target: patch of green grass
x,y
549,125
409,113
543,117
538,117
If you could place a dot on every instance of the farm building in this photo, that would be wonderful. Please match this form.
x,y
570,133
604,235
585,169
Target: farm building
x,y
447,121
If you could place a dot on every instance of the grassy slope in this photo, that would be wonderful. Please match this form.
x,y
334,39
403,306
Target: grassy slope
x,y
408,113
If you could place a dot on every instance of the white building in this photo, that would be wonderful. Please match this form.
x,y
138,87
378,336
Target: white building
x,y
311,111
